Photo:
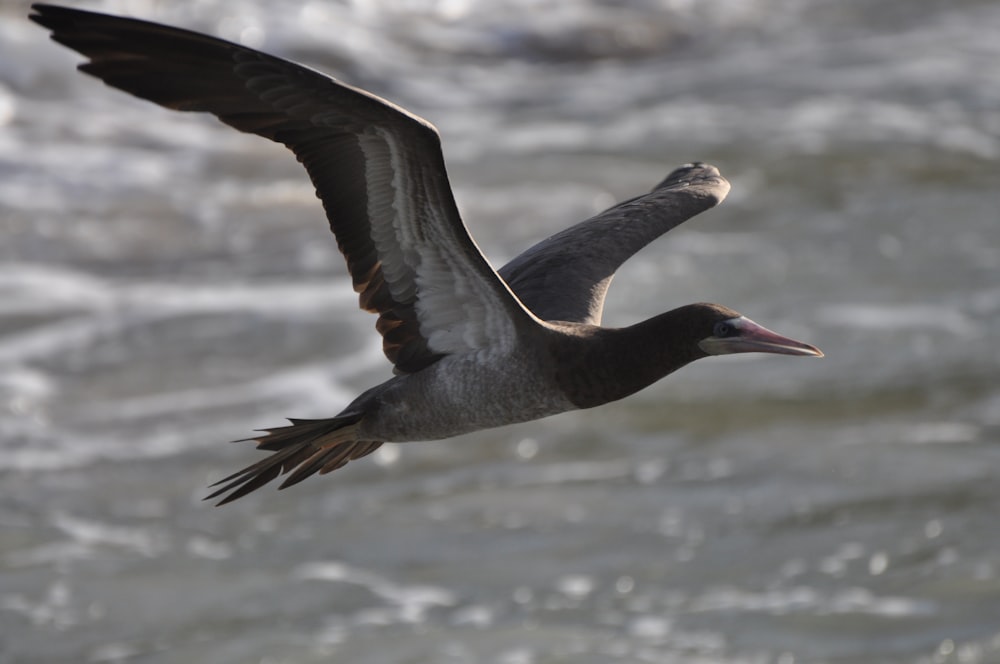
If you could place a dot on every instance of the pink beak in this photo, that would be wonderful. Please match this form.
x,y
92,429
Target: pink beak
x,y
749,337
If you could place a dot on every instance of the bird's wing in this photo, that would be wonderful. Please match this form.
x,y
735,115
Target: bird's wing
x,y
566,276
378,170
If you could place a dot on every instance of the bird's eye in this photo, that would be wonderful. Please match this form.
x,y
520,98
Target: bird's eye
x,y
723,329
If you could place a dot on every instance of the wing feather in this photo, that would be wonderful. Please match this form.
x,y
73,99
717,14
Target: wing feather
x,y
566,276
378,170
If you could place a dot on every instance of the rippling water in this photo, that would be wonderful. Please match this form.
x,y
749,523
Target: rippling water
x,y
167,284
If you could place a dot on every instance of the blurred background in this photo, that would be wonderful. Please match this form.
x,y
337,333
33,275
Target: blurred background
x,y
167,284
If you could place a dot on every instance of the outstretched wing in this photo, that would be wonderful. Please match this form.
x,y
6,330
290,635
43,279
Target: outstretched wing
x,y
566,276
378,170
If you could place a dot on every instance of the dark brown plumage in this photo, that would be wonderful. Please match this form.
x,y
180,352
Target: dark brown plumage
x,y
471,348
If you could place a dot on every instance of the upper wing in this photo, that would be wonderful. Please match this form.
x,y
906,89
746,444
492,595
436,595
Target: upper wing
x,y
566,276
378,170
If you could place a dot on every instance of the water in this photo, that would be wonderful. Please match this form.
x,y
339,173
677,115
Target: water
x,y
167,284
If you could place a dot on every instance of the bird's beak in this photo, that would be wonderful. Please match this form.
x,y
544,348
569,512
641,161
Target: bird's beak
x,y
754,338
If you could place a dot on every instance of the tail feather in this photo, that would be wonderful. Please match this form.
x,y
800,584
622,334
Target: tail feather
x,y
305,447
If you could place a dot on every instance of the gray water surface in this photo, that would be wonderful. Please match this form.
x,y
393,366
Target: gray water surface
x,y
167,284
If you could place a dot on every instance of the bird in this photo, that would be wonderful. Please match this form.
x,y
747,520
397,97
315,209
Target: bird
x,y
471,347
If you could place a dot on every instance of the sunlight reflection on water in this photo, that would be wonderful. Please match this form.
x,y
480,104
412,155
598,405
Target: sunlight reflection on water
x,y
168,284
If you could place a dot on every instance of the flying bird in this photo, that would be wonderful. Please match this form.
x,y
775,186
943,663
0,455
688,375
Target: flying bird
x,y
471,348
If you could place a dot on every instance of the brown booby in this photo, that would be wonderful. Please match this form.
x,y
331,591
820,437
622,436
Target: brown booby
x,y
471,348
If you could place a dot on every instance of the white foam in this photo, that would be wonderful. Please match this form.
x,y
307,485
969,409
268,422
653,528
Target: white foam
x,y
888,316
406,603
802,599
94,307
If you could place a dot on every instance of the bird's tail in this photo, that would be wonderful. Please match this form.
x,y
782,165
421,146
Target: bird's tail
x,y
306,447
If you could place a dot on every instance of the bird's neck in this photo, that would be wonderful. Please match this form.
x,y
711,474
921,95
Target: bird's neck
x,y
612,363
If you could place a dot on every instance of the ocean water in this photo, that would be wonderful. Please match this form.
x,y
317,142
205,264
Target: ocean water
x,y
167,284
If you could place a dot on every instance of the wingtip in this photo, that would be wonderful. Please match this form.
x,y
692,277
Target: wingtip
x,y
42,10
37,14
690,173
698,174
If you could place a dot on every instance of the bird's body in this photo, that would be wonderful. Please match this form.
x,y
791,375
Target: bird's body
x,y
559,367
471,348
433,403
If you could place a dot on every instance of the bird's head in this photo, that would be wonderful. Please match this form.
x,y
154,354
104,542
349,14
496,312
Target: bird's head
x,y
722,331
